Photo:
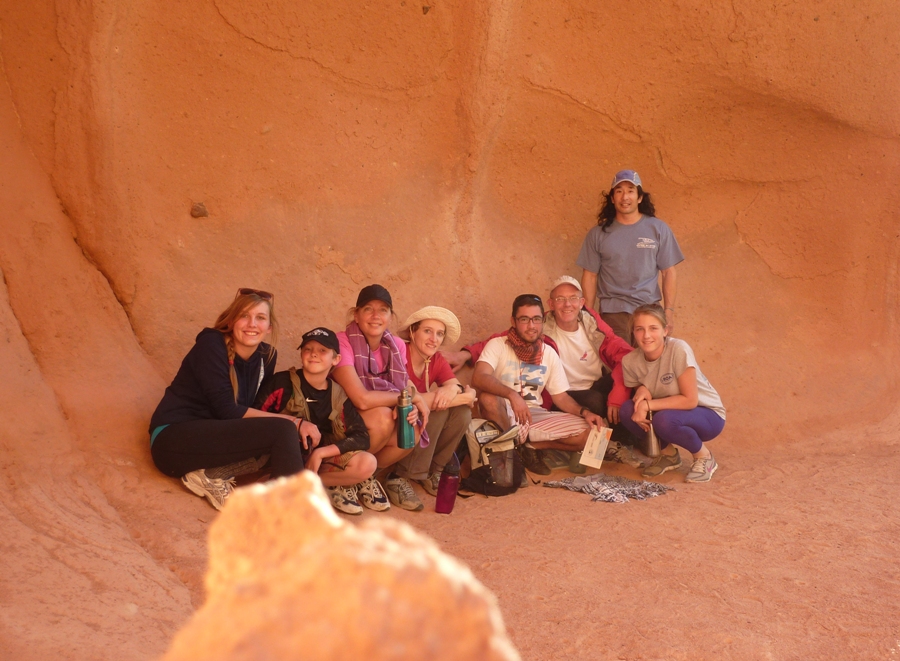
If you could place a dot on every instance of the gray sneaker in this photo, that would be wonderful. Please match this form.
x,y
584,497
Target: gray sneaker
x,y
343,499
401,493
702,470
662,464
372,495
430,484
216,491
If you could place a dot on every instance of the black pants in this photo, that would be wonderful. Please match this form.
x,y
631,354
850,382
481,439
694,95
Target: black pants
x,y
189,446
594,399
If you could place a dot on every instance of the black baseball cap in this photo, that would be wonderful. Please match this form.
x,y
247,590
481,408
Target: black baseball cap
x,y
324,336
374,293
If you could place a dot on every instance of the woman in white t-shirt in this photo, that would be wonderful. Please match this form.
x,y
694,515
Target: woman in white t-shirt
x,y
687,410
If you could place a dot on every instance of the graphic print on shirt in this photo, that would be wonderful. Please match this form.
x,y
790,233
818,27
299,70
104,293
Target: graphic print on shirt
x,y
527,379
646,243
584,357
666,379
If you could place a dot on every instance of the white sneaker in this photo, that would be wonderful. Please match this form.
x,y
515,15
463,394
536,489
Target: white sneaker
x,y
216,491
343,499
372,495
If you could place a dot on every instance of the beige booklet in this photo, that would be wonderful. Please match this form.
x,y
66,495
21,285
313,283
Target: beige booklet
x,y
595,448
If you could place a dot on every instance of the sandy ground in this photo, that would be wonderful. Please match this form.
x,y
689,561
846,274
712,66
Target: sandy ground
x,y
789,553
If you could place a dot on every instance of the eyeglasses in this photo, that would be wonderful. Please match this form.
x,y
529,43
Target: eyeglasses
x,y
264,295
559,300
534,321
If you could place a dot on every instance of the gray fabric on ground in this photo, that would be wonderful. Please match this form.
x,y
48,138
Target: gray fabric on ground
x,y
611,488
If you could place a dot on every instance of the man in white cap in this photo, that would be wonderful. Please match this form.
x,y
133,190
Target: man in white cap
x,y
591,353
625,255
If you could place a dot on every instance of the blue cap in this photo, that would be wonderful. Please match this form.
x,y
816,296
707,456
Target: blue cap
x,y
625,175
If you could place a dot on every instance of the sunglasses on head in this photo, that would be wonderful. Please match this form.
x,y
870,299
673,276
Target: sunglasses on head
x,y
247,291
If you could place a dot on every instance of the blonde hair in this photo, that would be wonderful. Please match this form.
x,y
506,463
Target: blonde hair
x,y
652,309
225,325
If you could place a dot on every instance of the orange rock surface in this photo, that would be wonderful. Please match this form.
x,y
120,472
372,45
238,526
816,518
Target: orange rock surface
x,y
454,152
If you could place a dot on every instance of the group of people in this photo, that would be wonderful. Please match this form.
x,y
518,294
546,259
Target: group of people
x,y
555,373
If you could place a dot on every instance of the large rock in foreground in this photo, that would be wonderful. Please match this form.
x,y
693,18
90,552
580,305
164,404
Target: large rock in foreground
x,y
289,579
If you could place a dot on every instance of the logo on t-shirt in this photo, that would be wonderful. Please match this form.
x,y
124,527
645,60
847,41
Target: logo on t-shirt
x,y
531,381
646,243
583,358
666,379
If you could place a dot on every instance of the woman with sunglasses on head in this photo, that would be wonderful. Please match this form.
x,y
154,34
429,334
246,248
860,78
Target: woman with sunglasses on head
x,y
205,420
686,410
372,371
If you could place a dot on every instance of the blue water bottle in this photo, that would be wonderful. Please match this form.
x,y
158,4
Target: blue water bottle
x,y
406,437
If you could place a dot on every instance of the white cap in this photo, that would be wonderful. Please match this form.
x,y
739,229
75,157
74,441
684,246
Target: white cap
x,y
566,280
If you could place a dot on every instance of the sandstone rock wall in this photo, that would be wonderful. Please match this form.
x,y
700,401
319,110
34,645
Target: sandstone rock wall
x,y
454,152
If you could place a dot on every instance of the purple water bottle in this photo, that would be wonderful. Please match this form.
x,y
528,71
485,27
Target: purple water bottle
x,y
447,487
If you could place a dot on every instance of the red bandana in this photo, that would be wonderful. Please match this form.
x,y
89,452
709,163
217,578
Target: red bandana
x,y
527,352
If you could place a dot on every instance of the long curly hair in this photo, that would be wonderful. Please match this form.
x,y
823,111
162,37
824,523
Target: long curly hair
x,y
608,211
225,325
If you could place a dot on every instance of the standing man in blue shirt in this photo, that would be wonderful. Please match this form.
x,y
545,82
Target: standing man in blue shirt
x,y
625,255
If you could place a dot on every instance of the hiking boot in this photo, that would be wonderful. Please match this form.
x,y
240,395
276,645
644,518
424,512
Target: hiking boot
x,y
343,499
401,493
575,465
372,495
702,470
532,460
216,491
663,463
554,459
431,483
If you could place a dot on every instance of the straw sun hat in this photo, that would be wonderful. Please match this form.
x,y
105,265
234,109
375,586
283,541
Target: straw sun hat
x,y
451,323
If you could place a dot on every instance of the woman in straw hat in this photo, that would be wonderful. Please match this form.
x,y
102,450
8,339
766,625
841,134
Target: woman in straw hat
x,y
449,401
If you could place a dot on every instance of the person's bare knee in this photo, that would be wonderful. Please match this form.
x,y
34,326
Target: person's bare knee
x,y
576,442
493,408
390,455
381,425
360,468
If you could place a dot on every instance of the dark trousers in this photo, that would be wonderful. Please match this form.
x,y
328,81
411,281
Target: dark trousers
x,y
595,398
620,322
189,446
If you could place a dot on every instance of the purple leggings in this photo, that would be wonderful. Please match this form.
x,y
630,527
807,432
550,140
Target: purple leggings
x,y
689,429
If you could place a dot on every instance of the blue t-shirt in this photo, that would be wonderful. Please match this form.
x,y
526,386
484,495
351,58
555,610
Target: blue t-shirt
x,y
627,260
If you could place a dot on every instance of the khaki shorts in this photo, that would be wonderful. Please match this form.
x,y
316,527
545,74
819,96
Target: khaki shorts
x,y
338,463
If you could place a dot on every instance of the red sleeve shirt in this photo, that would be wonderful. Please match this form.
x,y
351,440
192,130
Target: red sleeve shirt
x,y
439,371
